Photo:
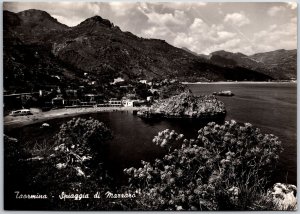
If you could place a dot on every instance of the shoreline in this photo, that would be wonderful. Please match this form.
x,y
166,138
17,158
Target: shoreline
x,y
241,82
19,121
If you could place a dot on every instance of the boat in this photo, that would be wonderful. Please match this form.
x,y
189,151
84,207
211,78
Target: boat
x,y
224,93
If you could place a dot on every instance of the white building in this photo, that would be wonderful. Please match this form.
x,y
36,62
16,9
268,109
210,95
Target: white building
x,y
149,99
128,103
117,80
115,102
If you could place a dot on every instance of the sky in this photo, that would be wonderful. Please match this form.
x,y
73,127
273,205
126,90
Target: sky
x,y
201,27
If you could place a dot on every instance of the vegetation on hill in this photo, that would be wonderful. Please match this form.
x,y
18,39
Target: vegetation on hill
x,y
279,64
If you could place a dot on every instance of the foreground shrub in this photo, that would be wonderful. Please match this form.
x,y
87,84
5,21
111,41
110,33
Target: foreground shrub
x,y
78,142
225,168
75,163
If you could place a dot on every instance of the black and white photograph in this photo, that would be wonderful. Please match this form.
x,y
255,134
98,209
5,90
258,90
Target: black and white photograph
x,y
150,106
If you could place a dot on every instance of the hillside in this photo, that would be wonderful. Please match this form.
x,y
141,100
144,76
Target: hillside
x,y
36,43
279,64
282,62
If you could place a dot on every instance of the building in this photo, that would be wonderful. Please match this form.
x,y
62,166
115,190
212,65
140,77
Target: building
x,y
72,102
128,103
115,102
117,80
71,92
58,101
16,101
150,99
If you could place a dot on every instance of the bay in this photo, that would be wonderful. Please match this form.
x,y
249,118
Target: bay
x,y
272,107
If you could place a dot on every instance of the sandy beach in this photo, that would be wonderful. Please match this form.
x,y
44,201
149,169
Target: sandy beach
x,y
235,82
39,116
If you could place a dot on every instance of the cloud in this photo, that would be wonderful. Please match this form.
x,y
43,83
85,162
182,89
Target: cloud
x,y
121,8
238,19
159,32
174,18
67,21
183,5
292,5
160,23
224,35
273,11
202,37
277,37
177,18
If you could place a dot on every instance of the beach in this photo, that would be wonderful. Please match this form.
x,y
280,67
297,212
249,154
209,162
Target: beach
x,y
39,116
236,82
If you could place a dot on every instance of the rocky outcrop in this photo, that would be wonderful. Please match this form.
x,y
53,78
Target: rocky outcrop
x,y
284,196
186,105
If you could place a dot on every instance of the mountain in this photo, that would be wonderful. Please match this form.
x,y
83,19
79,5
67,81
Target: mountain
x,y
39,48
29,64
189,51
196,54
31,25
282,63
279,64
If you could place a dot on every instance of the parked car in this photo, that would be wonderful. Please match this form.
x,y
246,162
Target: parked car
x,y
20,112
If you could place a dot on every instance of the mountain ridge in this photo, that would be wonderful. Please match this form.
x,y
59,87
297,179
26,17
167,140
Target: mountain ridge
x,y
98,47
279,64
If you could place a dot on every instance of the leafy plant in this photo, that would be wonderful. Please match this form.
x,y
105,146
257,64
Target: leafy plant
x,y
75,163
222,169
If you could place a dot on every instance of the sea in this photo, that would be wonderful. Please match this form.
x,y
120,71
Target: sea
x,y
272,107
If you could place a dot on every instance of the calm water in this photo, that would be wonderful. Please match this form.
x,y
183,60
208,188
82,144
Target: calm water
x,y
271,107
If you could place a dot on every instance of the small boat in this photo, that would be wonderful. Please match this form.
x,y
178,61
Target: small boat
x,y
45,125
223,93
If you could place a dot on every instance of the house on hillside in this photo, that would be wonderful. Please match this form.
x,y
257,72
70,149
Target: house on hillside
x,y
115,102
58,101
71,92
143,81
128,102
72,102
89,100
117,80
150,99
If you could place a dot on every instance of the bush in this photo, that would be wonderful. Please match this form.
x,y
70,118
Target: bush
x,y
78,142
75,164
225,168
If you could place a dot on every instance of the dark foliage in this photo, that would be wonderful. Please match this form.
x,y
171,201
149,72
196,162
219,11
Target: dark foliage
x,y
225,168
